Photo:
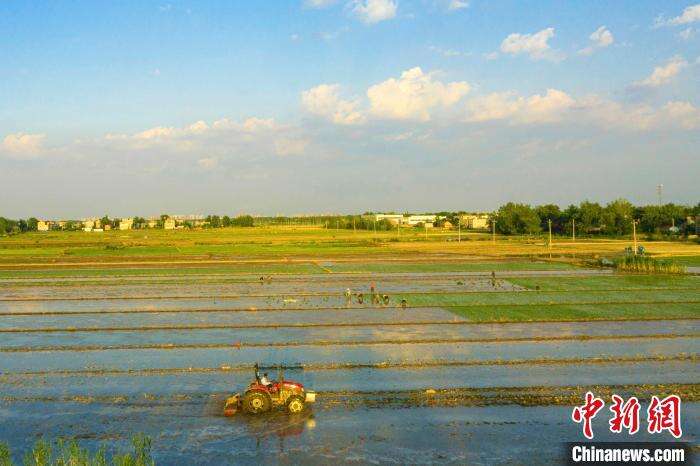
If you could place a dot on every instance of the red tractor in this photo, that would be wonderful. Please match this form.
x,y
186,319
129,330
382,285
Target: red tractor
x,y
262,395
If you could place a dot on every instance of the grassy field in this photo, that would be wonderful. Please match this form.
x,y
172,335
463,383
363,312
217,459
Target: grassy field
x,y
578,312
575,298
294,242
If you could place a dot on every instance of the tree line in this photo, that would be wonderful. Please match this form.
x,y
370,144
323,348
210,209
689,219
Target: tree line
x,y
588,218
591,219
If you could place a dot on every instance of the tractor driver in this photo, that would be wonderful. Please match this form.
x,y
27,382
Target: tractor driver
x,y
264,380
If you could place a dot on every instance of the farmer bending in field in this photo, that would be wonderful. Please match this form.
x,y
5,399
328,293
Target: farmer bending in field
x,y
493,278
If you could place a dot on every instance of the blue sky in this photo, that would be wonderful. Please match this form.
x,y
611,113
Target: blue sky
x,y
141,107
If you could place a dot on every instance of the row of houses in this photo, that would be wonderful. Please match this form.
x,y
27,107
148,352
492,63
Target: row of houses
x,y
95,224
471,221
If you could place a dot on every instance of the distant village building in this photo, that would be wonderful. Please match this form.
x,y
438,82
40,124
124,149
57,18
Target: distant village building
x,y
394,219
427,220
43,225
475,221
126,224
169,223
152,222
92,224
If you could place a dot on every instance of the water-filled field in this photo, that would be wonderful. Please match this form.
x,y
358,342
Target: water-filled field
x,y
467,360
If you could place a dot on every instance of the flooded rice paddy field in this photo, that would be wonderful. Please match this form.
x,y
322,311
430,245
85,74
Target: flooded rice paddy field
x,y
100,358
187,433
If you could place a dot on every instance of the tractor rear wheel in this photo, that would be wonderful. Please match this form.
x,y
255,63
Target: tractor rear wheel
x,y
256,402
295,404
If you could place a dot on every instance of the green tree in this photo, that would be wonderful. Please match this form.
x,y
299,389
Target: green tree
x,y
515,218
551,212
618,216
243,221
225,221
32,223
590,215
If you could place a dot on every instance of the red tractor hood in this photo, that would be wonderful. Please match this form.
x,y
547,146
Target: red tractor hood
x,y
289,384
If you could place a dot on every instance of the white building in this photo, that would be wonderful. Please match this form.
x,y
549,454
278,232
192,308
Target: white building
x,y
427,220
126,223
475,221
395,219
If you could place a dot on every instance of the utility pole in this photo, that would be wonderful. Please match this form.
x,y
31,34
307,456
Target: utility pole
x,y
493,231
426,229
549,225
374,222
398,228
459,230
659,189
634,235
353,224
573,230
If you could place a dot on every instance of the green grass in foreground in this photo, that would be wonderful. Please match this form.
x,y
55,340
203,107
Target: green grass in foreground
x,y
688,261
70,453
614,282
578,312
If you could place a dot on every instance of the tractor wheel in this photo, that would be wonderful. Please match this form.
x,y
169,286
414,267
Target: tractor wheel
x,y
256,402
295,404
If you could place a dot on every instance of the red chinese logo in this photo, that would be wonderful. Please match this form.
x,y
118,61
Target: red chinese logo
x,y
587,412
665,415
662,415
626,414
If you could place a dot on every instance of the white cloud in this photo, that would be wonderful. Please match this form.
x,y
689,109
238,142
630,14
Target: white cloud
x,y
318,4
250,125
23,145
687,33
413,96
664,74
690,15
535,45
558,107
291,146
600,38
457,5
684,113
547,108
448,52
324,100
223,135
374,11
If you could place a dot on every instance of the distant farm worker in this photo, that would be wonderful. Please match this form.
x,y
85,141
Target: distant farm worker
x,y
385,298
262,279
404,303
493,278
264,380
360,298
